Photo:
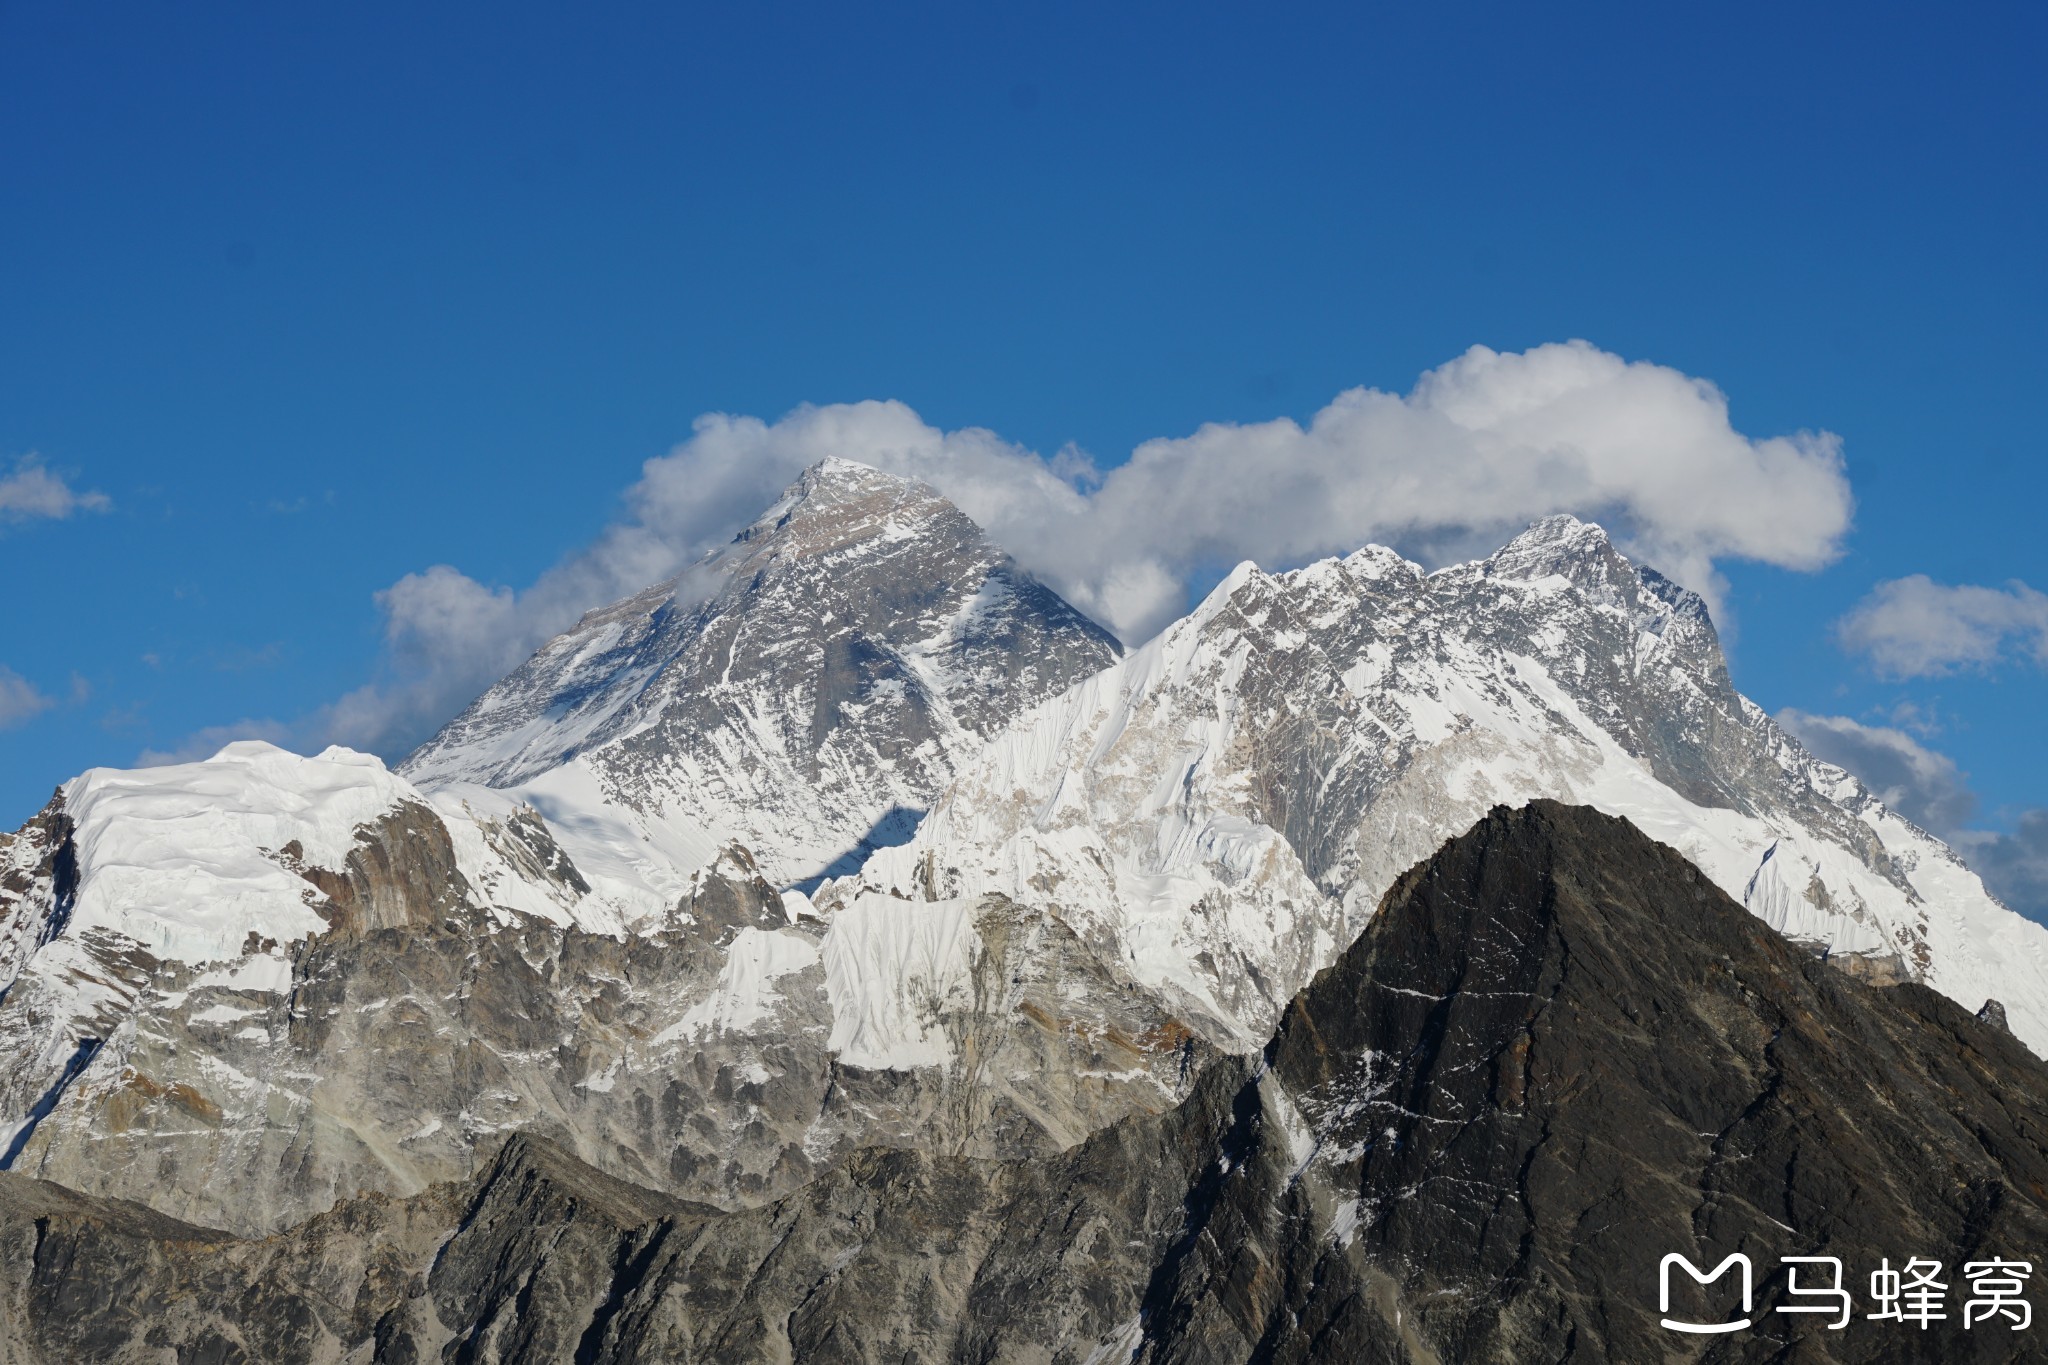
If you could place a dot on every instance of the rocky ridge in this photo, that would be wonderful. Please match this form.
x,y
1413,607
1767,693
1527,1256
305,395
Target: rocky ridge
x,y
1555,1055
1221,810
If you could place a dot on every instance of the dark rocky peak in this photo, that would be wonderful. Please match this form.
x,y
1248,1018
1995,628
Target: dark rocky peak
x,y
1559,1054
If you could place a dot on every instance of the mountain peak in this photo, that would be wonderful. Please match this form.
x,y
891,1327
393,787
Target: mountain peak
x,y
836,477
1552,546
862,633
1564,547
847,501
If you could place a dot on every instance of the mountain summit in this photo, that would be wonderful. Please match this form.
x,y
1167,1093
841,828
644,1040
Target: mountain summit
x,y
805,691
1222,810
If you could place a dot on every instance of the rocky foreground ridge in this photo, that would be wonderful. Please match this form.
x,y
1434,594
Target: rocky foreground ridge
x,y
1555,1054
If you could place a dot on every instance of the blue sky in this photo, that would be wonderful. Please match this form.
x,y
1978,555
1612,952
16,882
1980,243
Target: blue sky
x,y
317,300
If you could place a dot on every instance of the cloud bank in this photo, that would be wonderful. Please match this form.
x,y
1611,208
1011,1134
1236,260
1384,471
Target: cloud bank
x,y
1476,450
1924,786
33,493
2015,865
1928,789
1915,627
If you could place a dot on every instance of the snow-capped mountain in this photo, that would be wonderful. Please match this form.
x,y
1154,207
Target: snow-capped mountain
x,y
207,969
806,691
242,989
1471,1139
1222,810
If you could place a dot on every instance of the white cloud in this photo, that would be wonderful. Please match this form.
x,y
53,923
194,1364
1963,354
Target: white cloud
x,y
1906,775
20,702
32,491
1479,448
1915,627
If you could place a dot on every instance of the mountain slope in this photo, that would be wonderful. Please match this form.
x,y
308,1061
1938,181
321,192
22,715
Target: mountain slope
x,y
805,691
205,968
242,989
1556,1054
257,984
1221,810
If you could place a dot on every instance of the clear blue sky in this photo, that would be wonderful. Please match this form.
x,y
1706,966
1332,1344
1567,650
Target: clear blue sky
x,y
317,298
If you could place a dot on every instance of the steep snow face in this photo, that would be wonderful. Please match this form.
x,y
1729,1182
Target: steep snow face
x,y
805,691
137,898
189,861
1224,809
891,970
197,862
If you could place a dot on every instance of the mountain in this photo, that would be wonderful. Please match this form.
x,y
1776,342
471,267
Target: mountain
x,y
1221,810
805,692
243,988
1556,1054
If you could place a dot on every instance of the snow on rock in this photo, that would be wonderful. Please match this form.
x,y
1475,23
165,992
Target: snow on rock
x,y
192,861
630,869
805,691
189,860
746,993
1223,809
891,967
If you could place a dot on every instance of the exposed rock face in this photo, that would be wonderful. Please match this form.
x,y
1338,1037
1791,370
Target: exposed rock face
x,y
401,873
292,979
38,883
1556,1055
805,692
705,1056
1559,1054
1223,809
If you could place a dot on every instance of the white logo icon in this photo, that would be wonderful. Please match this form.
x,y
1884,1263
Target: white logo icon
x,y
1701,1278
